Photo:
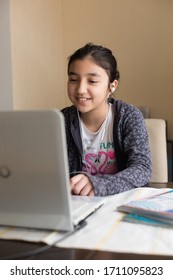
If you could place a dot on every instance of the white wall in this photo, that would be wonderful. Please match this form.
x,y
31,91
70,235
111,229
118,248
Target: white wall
x,y
6,96
37,60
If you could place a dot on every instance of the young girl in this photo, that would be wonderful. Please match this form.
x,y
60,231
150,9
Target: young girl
x,y
108,148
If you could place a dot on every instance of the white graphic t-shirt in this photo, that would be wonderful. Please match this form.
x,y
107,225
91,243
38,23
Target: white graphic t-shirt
x,y
98,149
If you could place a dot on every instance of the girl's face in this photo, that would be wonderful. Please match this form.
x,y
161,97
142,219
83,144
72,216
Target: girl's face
x,y
88,86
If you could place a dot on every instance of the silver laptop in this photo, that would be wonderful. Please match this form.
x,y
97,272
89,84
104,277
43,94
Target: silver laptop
x,y
34,175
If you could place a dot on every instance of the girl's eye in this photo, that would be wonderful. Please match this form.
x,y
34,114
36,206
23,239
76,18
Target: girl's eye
x,y
72,80
93,81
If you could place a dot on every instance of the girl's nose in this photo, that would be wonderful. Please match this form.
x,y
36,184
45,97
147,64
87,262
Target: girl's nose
x,y
82,87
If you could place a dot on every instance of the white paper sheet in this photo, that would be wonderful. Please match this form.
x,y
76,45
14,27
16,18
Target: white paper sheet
x,y
106,231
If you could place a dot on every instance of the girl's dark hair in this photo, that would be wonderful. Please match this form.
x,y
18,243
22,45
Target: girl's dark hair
x,y
102,57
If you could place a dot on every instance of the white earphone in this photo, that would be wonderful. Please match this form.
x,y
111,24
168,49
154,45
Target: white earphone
x,y
112,89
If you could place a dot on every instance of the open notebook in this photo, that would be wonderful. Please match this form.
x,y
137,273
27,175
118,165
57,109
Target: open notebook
x,y
34,175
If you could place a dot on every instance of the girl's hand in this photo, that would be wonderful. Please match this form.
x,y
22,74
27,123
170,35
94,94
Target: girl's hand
x,y
81,185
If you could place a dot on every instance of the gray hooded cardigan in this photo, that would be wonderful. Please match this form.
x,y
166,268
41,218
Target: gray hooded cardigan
x,y
131,148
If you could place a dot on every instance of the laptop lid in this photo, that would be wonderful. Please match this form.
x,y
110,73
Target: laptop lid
x,y
34,175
